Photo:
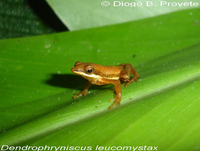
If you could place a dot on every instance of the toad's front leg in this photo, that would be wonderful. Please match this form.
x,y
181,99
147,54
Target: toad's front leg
x,y
84,92
118,95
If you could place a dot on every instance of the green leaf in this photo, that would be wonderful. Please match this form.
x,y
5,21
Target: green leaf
x,y
162,109
79,14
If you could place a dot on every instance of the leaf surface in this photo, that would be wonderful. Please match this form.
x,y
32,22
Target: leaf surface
x,y
162,109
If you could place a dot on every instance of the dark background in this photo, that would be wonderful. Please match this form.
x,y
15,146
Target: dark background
x,y
23,18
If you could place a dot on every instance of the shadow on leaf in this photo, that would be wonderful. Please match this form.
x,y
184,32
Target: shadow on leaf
x,y
70,81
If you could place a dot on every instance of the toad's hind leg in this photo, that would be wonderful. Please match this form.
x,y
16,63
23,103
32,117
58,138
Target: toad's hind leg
x,y
127,69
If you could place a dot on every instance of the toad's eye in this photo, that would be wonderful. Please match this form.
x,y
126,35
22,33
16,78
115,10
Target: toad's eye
x,y
89,69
